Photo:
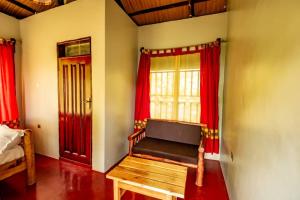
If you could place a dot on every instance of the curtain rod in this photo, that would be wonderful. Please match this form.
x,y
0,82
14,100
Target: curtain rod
x,y
142,49
12,40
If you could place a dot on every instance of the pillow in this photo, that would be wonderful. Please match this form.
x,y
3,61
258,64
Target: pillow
x,y
9,138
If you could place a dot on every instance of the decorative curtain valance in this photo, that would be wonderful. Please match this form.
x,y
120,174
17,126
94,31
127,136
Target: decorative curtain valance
x,y
180,50
8,101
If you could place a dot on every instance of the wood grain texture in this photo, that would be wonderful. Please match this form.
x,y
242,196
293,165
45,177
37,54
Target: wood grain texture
x,y
143,191
200,168
157,164
75,109
29,157
162,179
136,9
14,7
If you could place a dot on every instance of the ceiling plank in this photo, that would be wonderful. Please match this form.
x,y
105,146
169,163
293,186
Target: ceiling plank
x,y
174,5
19,4
119,2
10,14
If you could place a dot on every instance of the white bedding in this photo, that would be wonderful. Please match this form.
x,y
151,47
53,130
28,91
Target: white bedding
x,y
11,154
9,138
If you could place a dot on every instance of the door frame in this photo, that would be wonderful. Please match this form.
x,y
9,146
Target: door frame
x,y
69,42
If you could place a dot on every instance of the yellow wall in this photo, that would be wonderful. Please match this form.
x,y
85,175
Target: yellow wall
x,y
10,28
186,32
261,100
40,33
120,75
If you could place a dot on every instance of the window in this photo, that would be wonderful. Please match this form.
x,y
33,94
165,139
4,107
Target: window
x,y
175,88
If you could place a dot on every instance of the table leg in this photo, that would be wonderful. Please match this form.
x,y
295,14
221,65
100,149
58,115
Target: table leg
x,y
117,191
169,197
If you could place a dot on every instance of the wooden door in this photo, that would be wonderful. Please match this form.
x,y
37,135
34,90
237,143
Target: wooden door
x,y
75,108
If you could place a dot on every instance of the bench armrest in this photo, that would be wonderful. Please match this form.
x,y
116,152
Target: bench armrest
x,y
200,168
134,138
136,134
201,146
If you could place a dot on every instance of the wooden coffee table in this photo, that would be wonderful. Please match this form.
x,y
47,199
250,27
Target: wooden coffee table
x,y
151,178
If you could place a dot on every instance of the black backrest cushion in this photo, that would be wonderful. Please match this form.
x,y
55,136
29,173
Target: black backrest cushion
x,y
174,131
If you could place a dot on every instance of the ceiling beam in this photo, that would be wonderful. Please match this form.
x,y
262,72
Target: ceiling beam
x,y
164,7
25,7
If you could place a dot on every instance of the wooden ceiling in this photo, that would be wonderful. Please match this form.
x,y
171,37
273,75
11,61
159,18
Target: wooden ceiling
x,y
144,12
21,9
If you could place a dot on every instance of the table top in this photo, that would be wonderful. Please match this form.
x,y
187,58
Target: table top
x,y
158,176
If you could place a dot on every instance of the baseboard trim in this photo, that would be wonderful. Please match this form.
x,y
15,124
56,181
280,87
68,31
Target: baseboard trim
x,y
210,156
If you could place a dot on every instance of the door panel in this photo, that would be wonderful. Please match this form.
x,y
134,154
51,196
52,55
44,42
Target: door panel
x,y
75,108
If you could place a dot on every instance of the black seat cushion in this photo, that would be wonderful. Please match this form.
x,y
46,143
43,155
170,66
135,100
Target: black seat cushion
x,y
174,131
167,149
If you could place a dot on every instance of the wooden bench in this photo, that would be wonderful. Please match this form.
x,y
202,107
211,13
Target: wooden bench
x,y
171,142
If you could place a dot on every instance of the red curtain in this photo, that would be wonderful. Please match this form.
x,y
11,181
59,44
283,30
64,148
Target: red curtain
x,y
142,96
8,101
209,86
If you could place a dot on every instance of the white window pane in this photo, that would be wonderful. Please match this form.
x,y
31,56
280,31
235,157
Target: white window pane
x,y
158,83
181,111
170,83
164,83
157,111
152,109
182,84
188,82
199,112
153,83
187,109
169,110
163,110
194,111
195,78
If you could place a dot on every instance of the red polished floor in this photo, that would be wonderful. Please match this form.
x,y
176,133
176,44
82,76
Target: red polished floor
x,y
57,180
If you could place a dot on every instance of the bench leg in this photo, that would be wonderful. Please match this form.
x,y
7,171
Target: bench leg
x,y
200,168
169,197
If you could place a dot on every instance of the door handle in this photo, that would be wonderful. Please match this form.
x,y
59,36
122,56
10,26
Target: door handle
x,y
89,101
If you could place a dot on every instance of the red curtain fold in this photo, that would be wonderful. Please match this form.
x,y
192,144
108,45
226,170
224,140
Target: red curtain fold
x,y
209,86
142,96
8,101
